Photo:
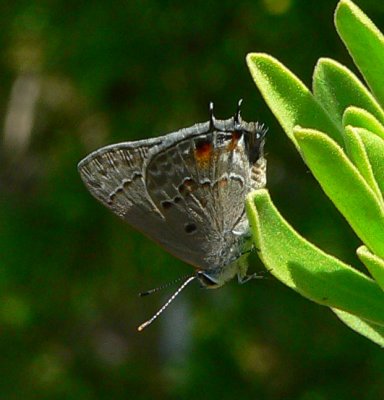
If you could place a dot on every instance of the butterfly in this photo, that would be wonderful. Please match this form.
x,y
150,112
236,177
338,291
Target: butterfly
x,y
186,190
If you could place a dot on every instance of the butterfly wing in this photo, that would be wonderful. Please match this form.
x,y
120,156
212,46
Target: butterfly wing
x,y
185,190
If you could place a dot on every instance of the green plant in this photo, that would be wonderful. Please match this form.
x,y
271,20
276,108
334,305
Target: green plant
x,y
338,130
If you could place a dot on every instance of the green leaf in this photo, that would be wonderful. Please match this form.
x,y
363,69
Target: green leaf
x,y
308,270
337,88
361,118
374,147
364,42
374,264
288,98
344,185
356,151
371,331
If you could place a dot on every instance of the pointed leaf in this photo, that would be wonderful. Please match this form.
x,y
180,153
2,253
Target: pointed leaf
x,y
361,118
344,185
337,88
307,269
364,42
374,264
374,147
371,331
288,98
355,149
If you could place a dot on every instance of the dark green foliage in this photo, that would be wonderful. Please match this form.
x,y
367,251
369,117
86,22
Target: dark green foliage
x,y
70,271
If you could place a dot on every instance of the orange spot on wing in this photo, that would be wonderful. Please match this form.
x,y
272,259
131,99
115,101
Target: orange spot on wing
x,y
203,153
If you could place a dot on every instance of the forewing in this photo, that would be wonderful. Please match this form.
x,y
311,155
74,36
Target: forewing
x,y
117,176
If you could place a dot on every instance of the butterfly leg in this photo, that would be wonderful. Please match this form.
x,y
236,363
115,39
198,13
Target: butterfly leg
x,y
245,278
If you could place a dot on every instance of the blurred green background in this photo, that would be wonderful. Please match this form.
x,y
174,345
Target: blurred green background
x,y
76,75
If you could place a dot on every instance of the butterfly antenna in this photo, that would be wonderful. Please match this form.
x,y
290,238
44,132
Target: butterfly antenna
x,y
149,322
156,289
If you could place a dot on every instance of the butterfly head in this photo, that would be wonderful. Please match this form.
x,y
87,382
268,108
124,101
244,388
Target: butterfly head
x,y
219,276
207,280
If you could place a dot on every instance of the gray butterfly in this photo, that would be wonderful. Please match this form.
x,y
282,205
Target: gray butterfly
x,y
186,190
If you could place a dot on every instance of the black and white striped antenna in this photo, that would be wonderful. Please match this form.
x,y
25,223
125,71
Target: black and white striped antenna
x,y
149,322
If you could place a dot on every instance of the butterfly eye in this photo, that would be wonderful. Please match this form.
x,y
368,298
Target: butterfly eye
x,y
205,280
